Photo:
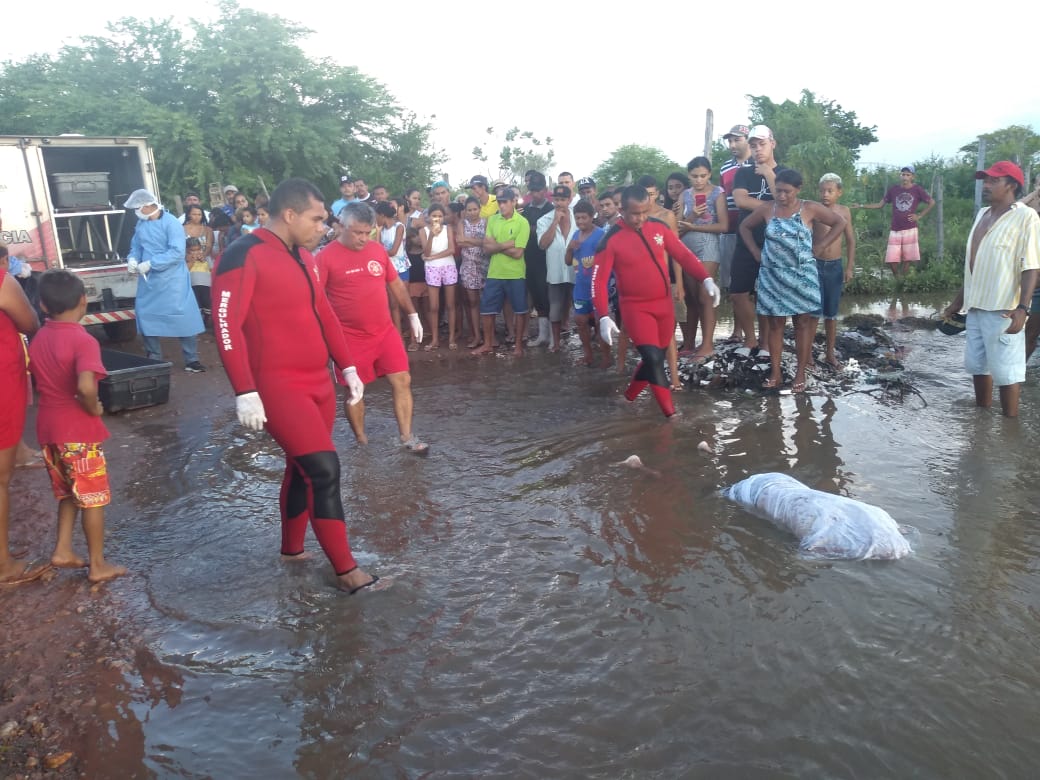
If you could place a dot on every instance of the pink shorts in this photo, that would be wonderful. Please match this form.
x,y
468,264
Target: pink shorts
x,y
441,275
376,356
902,247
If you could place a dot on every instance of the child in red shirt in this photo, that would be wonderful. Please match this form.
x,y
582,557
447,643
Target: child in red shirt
x,y
66,363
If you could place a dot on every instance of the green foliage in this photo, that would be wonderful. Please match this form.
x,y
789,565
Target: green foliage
x,y
627,163
236,100
810,120
520,151
1017,143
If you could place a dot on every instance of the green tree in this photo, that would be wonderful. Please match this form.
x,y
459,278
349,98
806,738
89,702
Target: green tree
x,y
518,151
627,163
814,136
234,101
1017,143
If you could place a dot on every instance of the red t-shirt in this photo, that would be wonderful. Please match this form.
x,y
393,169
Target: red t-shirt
x,y
355,284
58,354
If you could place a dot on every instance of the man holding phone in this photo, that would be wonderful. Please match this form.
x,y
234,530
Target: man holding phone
x,y
751,186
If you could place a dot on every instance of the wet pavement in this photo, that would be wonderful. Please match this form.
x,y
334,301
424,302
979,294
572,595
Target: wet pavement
x,y
556,613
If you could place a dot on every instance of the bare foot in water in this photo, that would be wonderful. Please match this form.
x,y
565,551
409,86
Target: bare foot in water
x,y
105,571
300,556
357,580
484,350
12,571
67,561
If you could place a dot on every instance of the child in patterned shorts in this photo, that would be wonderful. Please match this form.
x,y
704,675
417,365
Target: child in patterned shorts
x,y
66,363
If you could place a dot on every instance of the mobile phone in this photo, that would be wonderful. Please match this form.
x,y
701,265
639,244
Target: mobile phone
x,y
699,198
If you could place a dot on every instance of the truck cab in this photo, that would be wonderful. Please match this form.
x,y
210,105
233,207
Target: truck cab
x,y
61,207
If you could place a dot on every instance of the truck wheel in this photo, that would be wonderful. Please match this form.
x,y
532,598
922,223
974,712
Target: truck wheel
x,y
120,332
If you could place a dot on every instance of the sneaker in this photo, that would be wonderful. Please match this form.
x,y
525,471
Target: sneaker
x,y
195,368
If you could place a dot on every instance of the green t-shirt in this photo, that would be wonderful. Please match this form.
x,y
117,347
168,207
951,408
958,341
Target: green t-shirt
x,y
515,228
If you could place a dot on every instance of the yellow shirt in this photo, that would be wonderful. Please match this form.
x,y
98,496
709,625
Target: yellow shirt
x,y
1011,246
489,208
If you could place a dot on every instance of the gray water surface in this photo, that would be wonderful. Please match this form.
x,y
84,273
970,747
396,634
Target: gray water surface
x,y
556,615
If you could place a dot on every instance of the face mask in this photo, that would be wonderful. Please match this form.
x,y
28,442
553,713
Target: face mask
x,y
146,217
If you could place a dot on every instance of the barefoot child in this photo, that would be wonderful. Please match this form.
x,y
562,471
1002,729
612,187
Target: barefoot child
x,y
828,262
66,363
581,253
439,259
470,236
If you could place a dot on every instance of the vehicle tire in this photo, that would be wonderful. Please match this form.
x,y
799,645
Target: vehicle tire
x,y
120,332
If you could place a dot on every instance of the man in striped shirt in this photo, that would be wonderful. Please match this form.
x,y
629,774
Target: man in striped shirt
x,y
1000,269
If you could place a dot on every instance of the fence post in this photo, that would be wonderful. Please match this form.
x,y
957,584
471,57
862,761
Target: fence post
x,y
709,132
980,165
938,184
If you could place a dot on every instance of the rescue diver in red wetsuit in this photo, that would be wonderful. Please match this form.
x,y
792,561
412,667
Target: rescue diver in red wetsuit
x,y
635,250
276,332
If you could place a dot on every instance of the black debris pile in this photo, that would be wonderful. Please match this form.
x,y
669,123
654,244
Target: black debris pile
x,y
869,362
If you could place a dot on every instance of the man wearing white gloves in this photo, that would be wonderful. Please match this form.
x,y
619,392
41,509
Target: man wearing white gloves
x,y
276,333
635,250
165,304
356,273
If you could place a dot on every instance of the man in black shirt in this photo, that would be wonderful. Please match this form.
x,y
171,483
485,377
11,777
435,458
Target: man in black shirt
x,y
751,186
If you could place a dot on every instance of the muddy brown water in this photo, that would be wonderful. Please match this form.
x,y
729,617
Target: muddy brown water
x,y
555,614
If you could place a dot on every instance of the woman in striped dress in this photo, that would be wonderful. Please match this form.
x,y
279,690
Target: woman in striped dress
x,y
788,282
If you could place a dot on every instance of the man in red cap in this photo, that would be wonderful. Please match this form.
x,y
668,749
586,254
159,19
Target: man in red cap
x,y
1000,269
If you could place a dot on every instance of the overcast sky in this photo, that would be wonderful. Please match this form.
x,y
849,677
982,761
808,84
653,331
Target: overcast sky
x,y
594,76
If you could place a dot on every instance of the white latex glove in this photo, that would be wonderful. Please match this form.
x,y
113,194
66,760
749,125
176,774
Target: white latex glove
x,y
607,330
354,385
713,290
131,265
416,323
144,268
250,411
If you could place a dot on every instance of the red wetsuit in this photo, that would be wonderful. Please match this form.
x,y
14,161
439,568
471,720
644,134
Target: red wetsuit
x,y
355,282
640,266
276,333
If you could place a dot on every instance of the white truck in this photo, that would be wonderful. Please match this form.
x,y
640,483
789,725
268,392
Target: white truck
x,y
61,207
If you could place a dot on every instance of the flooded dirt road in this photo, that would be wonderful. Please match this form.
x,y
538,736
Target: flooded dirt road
x,y
555,614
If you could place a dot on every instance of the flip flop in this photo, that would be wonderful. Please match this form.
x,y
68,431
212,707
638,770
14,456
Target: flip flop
x,y
798,387
770,384
28,575
369,584
453,345
413,347
416,447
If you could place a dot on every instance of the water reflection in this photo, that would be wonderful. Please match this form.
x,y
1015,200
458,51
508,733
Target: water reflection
x,y
556,614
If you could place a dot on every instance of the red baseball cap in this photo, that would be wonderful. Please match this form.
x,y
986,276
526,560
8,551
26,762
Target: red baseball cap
x,y
1003,168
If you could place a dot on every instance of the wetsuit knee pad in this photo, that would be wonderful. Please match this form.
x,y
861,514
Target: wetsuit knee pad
x,y
652,368
294,492
321,469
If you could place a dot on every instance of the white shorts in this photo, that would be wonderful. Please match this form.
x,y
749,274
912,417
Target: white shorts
x,y
991,351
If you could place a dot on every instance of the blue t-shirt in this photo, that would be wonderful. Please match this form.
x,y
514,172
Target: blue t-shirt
x,y
338,205
584,258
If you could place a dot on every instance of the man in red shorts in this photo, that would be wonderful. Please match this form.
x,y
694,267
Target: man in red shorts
x,y
356,273
276,332
635,250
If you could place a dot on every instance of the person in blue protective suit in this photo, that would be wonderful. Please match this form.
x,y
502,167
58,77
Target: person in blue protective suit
x,y
165,304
